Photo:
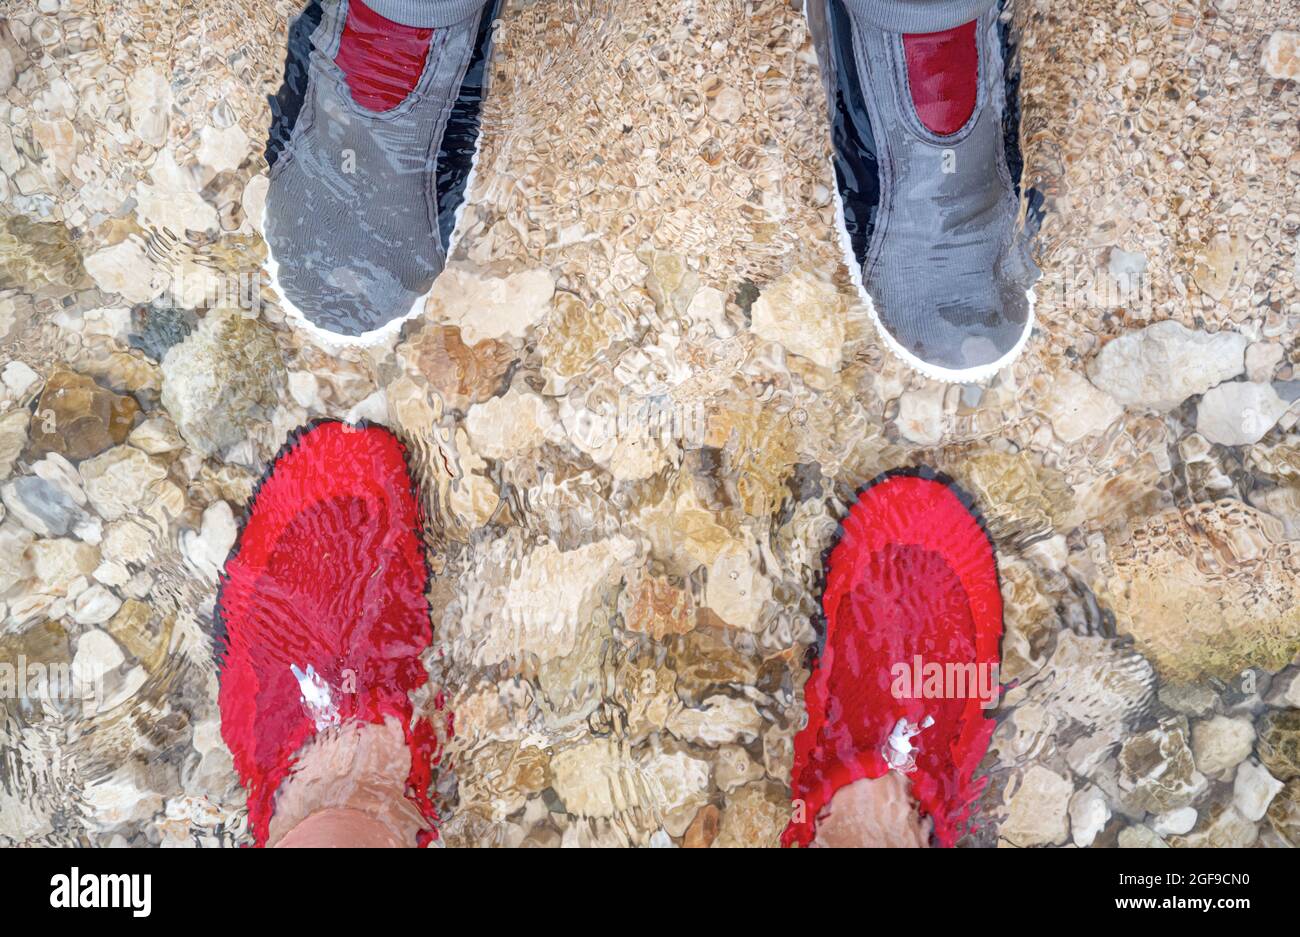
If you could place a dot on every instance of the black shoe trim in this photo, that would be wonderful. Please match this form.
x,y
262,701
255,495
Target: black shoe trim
x,y
1011,124
857,170
460,138
286,103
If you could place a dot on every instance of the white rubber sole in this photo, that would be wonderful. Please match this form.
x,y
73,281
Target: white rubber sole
x,y
975,375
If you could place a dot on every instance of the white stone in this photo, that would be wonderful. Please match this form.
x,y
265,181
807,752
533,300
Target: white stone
x,y
727,105
61,473
1288,693
126,688
125,269
1175,822
149,97
1162,365
17,376
115,801
490,307
57,562
304,389
208,548
1078,409
172,200
156,436
13,438
372,408
1281,57
223,150
114,575
736,590
127,542
1239,413
120,481
1221,743
1126,265
920,414
97,654
514,423
806,315
548,600
1262,359
722,719
15,565
254,202
1039,809
94,606
709,305
1088,815
1253,790
598,778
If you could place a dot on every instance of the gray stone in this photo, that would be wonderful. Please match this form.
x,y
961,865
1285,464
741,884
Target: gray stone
x,y
40,506
226,376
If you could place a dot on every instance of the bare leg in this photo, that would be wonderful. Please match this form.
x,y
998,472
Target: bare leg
x,y
873,813
348,789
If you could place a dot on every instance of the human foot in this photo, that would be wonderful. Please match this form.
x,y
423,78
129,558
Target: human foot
x,y
927,171
908,665
371,150
347,788
325,616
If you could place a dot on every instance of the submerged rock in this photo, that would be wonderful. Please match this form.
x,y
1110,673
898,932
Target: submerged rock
x,y
1158,770
1164,364
1222,826
1039,809
1221,743
1253,790
804,314
1284,812
157,326
1077,409
462,374
220,381
1207,591
1239,413
1281,58
41,506
1140,837
874,813
490,307
77,418
1278,747
120,481
13,438
1088,815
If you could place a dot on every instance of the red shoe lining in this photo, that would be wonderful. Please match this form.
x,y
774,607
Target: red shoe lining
x,y
943,75
381,60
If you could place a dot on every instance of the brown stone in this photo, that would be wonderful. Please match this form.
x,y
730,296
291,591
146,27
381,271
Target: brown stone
x,y
1278,744
703,829
463,375
1284,813
132,628
655,606
77,418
